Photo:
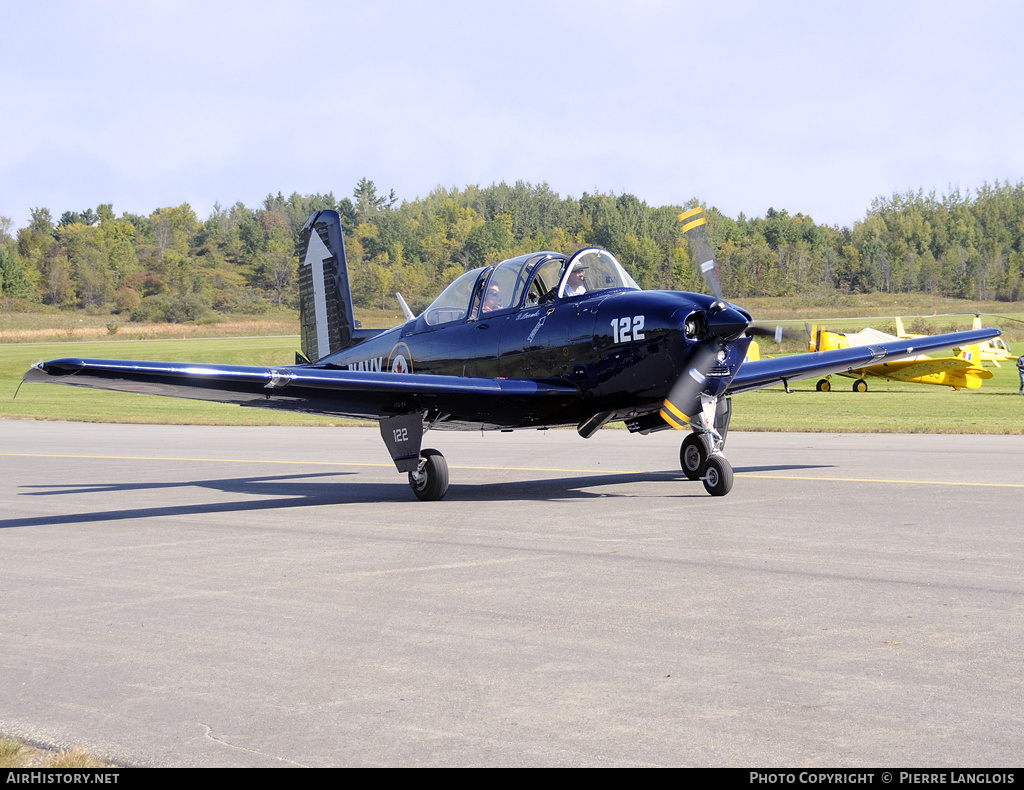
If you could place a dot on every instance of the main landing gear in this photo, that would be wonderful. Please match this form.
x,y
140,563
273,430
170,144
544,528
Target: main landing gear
x,y
859,385
429,481
711,469
427,469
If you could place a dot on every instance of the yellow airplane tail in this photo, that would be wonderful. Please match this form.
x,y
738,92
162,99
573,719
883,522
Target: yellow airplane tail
x,y
899,327
975,374
970,354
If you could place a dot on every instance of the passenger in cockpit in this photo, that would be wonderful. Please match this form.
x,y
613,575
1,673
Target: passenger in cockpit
x,y
492,299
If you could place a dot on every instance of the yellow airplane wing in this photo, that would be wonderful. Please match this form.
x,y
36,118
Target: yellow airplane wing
x,y
945,371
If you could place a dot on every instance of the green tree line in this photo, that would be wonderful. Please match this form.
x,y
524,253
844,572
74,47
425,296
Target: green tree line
x,y
173,266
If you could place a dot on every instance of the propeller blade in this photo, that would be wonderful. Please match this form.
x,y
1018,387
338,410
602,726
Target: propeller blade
x,y
710,272
778,332
694,222
683,402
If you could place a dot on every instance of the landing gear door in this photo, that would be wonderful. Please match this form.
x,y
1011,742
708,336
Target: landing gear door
x,y
403,435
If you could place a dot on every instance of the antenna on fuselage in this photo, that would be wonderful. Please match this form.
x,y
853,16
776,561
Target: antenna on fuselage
x,y
409,315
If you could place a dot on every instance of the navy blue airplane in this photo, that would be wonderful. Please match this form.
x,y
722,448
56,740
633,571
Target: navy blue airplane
x,y
538,341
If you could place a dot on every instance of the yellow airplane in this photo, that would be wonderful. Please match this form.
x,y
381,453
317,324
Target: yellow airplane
x,y
901,333
961,371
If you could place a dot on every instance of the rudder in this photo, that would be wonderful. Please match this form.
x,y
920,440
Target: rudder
x,y
327,323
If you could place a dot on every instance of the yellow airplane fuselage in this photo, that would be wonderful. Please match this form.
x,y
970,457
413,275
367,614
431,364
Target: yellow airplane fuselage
x,y
963,371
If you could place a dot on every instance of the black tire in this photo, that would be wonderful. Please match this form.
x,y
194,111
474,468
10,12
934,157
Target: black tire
x,y
860,386
824,385
693,455
430,483
718,476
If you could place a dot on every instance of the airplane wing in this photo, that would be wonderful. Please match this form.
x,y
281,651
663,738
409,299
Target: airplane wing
x,y
767,372
906,369
319,390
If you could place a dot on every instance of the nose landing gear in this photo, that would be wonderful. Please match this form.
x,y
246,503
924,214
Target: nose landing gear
x,y
712,469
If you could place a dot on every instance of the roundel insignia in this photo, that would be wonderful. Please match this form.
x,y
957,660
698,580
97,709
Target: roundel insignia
x,y
400,360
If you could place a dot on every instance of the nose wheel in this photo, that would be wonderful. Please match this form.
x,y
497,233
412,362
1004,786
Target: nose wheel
x,y
429,481
714,471
717,477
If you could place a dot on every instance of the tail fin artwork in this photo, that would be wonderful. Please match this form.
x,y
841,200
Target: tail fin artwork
x,y
971,354
327,323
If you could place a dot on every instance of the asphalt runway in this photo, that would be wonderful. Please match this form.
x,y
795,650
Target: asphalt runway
x,y
194,596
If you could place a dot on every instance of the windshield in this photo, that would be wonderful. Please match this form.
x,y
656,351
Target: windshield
x,y
593,270
453,303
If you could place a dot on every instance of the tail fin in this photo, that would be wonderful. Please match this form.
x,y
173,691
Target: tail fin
x,y
899,327
977,321
972,377
327,323
971,354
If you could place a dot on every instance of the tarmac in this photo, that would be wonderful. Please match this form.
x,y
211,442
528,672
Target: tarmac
x,y
219,596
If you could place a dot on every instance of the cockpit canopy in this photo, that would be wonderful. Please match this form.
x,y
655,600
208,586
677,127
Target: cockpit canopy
x,y
526,281
591,270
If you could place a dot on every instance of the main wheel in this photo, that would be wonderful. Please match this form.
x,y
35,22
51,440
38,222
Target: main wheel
x,y
692,456
824,385
717,476
430,481
860,386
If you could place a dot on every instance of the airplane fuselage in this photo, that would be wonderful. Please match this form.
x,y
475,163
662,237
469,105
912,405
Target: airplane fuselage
x,y
623,350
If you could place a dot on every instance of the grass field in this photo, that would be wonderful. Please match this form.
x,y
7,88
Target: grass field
x,y
49,402
887,407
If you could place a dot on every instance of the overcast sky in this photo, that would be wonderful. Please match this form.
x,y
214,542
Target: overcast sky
x,y
814,107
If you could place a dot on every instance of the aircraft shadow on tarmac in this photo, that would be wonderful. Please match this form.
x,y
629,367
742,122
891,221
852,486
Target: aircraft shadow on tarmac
x,y
296,491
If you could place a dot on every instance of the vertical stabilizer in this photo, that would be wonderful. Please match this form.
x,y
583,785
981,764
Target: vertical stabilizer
x,y
971,354
327,323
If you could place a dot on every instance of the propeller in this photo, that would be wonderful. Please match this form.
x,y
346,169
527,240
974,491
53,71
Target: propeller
x,y
777,333
694,221
722,324
683,402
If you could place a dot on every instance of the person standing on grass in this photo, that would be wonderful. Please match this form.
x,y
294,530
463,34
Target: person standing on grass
x,y
1020,369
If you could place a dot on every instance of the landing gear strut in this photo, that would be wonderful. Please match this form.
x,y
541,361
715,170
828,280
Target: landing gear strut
x,y
700,455
429,481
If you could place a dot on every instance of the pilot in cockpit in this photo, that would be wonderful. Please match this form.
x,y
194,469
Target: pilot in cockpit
x,y
575,286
